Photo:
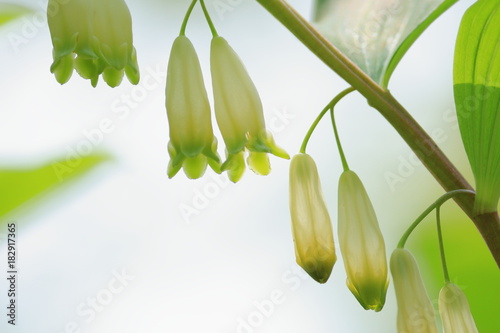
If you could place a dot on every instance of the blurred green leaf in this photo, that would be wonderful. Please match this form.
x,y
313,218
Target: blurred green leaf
x,y
9,12
19,186
477,97
375,35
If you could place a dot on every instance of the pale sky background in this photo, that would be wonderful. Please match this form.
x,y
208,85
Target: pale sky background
x,y
217,268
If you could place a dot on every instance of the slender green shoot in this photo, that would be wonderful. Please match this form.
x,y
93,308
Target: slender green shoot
x,y
337,139
441,245
329,106
186,18
437,203
209,20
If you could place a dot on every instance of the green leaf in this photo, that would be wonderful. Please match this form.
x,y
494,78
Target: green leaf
x,y
375,35
18,186
9,12
477,98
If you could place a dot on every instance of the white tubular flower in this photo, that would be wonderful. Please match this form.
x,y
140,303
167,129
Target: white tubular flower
x,y
415,311
99,34
239,114
192,142
311,224
361,244
455,310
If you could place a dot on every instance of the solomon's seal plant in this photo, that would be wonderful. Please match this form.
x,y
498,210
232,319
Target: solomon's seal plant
x,y
94,37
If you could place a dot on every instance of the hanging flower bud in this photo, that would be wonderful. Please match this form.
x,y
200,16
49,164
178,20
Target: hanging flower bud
x,y
311,225
415,311
99,34
239,114
192,142
455,311
361,244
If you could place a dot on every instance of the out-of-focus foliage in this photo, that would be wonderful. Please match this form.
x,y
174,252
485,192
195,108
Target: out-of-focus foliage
x,y
9,12
18,186
375,35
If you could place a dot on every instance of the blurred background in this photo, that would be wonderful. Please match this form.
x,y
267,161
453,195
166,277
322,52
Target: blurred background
x,y
107,243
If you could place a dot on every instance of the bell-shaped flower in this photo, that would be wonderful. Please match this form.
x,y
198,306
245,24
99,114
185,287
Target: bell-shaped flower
x,y
192,142
361,243
415,311
455,310
311,224
99,34
238,110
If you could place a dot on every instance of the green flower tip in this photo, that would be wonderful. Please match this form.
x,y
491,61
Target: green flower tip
x,y
99,34
194,165
235,166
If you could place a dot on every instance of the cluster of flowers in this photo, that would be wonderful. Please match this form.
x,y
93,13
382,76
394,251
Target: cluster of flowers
x,y
238,111
363,252
94,37
361,242
415,310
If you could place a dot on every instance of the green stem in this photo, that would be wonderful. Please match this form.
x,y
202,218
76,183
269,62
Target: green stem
x,y
437,203
337,139
382,100
441,245
329,106
209,20
186,18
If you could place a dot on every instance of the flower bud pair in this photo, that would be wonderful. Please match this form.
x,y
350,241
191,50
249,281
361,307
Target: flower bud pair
x,y
238,112
99,34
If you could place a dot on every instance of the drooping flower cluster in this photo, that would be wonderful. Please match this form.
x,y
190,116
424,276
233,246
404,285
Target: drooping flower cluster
x,y
361,242
415,310
94,37
238,112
